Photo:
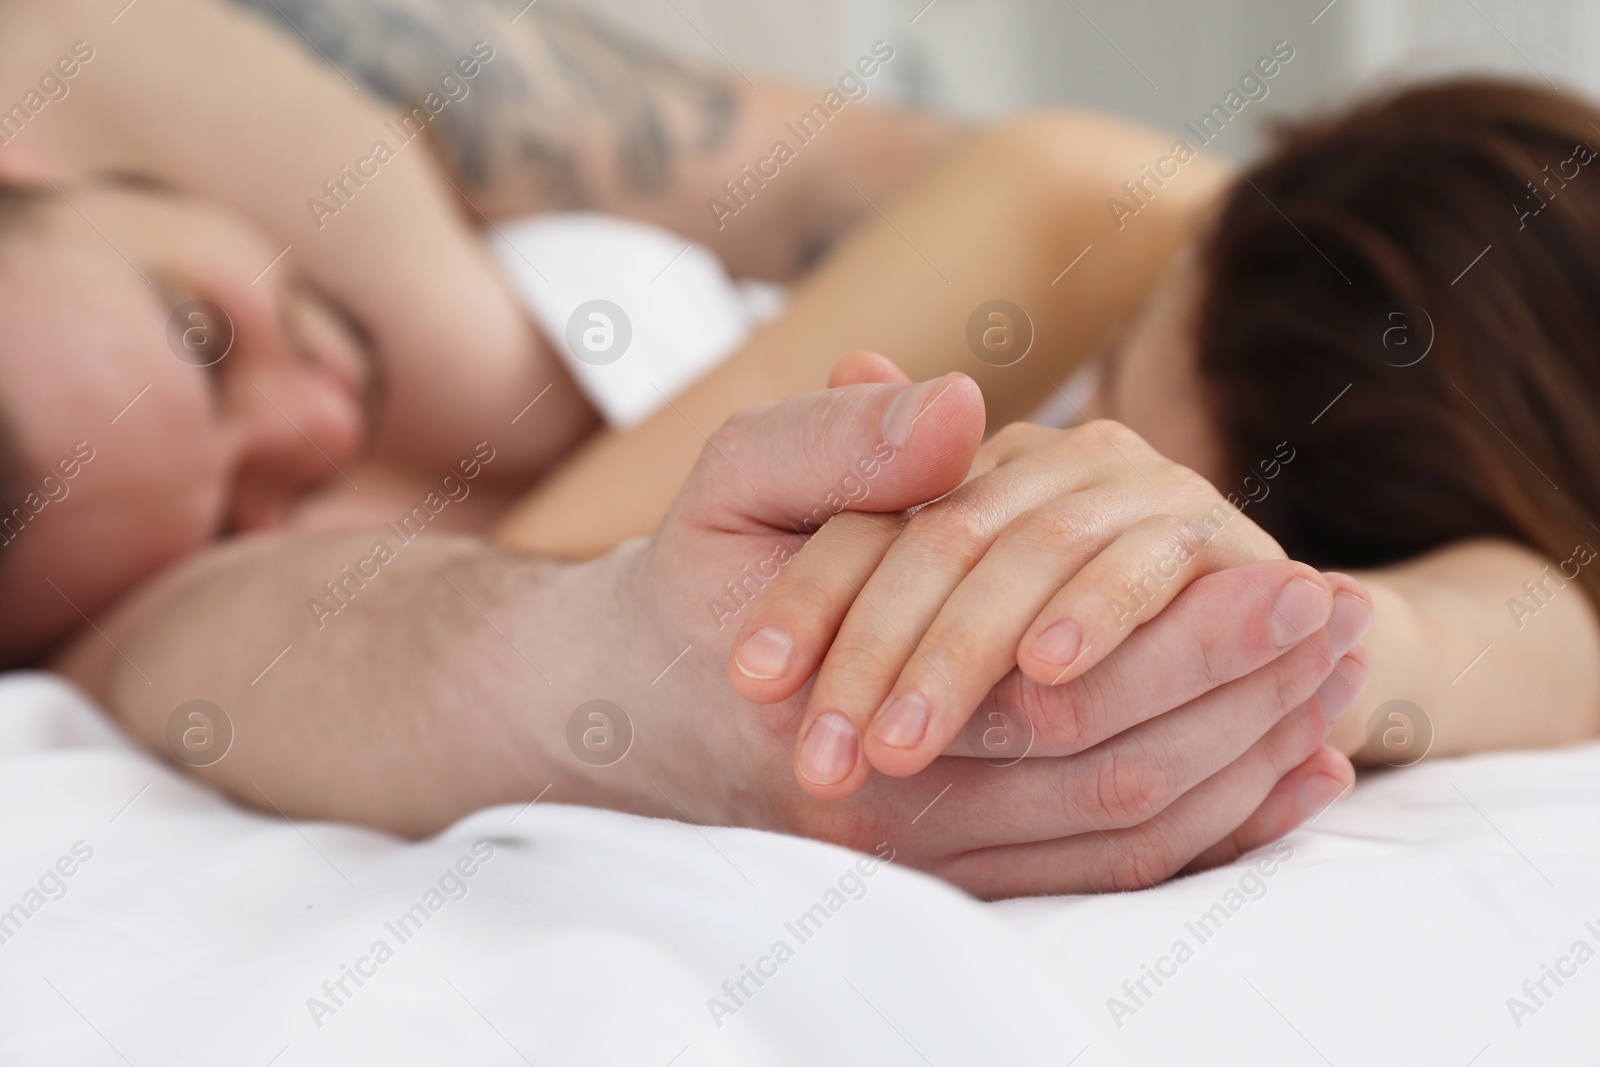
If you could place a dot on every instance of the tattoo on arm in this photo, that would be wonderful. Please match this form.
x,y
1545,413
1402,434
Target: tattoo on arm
x,y
568,111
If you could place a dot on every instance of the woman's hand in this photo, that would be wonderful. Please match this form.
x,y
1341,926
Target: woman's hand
x,y
1141,796
1058,547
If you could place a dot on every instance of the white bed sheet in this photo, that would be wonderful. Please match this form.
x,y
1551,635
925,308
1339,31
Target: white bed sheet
x,y
197,933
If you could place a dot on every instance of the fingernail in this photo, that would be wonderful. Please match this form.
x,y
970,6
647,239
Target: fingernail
x,y
1336,694
1302,608
904,723
904,409
765,654
1349,622
1316,793
1059,642
829,752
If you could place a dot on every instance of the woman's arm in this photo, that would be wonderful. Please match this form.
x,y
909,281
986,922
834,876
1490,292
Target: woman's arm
x,y
1003,217
1449,637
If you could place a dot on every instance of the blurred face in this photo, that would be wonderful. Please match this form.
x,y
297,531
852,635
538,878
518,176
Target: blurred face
x,y
181,453
1150,382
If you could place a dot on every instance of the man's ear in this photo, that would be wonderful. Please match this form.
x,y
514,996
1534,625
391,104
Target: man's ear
x,y
23,164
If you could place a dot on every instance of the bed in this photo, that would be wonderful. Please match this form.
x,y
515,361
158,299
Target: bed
x,y
146,920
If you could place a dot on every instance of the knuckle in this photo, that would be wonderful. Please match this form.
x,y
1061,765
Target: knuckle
x,y
1183,538
1284,677
1058,525
1180,478
1143,859
1057,714
1016,435
958,649
1213,660
851,825
1295,678
952,529
800,597
859,656
1129,788
1116,434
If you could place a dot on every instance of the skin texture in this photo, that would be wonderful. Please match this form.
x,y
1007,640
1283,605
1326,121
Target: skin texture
x,y
576,114
1434,616
256,589
1003,217
472,707
1045,526
398,272
181,452
1430,619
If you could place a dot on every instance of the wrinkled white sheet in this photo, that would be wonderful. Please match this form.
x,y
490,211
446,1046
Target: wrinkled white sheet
x,y
189,931
670,299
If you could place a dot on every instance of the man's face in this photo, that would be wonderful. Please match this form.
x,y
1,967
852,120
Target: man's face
x,y
182,453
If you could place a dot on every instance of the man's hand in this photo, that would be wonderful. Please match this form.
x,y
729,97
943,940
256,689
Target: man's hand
x,y
450,679
1114,794
1058,547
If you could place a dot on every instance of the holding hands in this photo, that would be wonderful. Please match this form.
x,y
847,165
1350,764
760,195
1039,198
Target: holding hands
x,y
1157,677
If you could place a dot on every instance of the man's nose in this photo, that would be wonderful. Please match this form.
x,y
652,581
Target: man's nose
x,y
296,429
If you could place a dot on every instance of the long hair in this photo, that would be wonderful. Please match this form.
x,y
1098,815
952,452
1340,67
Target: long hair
x,y
1409,294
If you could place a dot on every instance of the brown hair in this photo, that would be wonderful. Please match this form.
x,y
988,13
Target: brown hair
x,y
1460,220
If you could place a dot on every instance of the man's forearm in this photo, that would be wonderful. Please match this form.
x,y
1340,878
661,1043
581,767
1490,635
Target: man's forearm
x,y
439,686
574,114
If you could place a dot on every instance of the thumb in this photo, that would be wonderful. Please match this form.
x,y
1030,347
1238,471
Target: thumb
x,y
794,463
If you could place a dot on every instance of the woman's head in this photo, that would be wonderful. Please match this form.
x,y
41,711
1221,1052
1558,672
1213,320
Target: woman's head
x,y
90,279
1408,295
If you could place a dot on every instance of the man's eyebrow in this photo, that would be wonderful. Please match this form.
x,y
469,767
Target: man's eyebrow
x,y
138,181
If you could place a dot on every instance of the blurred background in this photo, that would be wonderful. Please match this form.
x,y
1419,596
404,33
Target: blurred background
x,y
1162,61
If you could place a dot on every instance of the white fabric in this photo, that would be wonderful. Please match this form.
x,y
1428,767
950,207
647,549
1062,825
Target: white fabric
x,y
196,932
685,313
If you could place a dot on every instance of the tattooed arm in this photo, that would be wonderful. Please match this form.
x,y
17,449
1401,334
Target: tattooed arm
x,y
199,96
574,114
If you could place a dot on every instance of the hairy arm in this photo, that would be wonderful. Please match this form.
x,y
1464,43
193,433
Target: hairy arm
x,y
435,691
574,114
1485,677
455,676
